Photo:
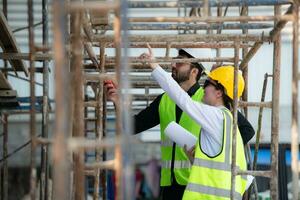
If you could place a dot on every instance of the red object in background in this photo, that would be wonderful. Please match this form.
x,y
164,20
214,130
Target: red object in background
x,y
109,84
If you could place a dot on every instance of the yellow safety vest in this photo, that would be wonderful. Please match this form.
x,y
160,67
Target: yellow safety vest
x,y
182,165
210,177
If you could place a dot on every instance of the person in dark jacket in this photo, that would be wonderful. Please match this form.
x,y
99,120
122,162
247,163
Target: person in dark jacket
x,y
174,175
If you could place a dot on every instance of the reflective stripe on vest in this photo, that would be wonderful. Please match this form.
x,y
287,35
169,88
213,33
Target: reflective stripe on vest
x,y
211,190
214,164
178,164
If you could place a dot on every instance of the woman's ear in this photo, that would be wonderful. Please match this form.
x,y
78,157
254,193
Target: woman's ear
x,y
220,93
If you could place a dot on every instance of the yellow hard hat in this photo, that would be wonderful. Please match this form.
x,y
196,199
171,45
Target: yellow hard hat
x,y
225,76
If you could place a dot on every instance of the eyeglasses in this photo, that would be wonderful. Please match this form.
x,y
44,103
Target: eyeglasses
x,y
209,82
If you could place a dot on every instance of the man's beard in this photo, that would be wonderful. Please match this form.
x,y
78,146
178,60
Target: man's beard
x,y
180,77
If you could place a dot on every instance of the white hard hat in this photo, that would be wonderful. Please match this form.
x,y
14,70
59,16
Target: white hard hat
x,y
199,53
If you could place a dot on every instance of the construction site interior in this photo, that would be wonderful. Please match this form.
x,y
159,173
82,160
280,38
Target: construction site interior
x,y
61,138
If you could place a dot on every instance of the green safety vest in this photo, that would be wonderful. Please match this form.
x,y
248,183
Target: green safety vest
x,y
210,177
182,165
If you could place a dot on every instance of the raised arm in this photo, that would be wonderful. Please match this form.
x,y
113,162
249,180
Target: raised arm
x,y
207,116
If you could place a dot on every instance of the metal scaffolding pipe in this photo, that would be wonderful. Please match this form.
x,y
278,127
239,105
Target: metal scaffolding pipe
x,y
92,5
186,38
99,122
103,177
267,174
234,114
275,113
280,24
77,102
109,164
45,114
4,169
60,154
212,19
180,45
245,50
89,49
32,102
4,186
116,38
123,77
255,104
212,3
295,83
192,26
250,54
257,141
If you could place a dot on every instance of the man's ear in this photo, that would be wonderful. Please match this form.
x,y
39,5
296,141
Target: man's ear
x,y
194,71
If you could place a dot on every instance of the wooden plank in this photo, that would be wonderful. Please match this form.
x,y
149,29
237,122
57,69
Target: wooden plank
x,y
4,84
9,44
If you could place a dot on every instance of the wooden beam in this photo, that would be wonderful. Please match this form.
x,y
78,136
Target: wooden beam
x,y
9,44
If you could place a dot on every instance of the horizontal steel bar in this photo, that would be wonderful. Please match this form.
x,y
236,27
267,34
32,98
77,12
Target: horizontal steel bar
x,y
212,3
109,164
213,19
99,77
40,57
171,60
191,26
92,5
186,38
75,144
25,56
255,104
267,174
179,45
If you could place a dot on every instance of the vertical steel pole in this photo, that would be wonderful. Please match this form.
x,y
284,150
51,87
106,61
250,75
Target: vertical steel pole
x,y
99,122
275,113
4,169
206,8
103,172
118,150
128,166
245,69
32,101
45,113
78,119
294,132
62,110
124,168
235,126
218,50
4,194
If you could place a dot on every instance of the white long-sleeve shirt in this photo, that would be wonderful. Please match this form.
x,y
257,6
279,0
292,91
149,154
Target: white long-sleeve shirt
x,y
209,117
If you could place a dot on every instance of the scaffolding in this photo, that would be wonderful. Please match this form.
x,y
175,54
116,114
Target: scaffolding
x,y
80,27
